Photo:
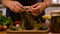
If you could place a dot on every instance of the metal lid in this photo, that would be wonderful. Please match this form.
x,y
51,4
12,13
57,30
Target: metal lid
x,y
55,13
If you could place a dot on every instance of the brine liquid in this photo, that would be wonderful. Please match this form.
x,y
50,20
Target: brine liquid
x,y
55,24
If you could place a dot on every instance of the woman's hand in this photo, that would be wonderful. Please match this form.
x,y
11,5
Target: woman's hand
x,y
37,8
14,6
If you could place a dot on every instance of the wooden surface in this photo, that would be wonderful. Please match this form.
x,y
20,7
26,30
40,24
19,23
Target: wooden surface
x,y
3,33
26,33
30,31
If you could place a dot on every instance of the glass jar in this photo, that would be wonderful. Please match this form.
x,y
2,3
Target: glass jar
x,y
55,21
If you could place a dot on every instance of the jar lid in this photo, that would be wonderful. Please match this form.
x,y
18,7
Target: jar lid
x,y
55,13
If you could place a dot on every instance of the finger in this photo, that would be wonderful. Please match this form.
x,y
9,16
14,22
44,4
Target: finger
x,y
38,7
14,9
20,5
30,9
35,5
17,7
33,12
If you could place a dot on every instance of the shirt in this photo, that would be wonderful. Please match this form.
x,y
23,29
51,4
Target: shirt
x,y
29,2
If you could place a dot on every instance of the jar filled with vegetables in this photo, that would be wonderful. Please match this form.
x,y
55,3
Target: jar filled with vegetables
x,y
55,21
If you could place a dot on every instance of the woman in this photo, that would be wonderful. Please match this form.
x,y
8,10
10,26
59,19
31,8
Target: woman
x,y
37,8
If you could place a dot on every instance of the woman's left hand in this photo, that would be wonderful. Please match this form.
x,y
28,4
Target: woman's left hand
x,y
37,8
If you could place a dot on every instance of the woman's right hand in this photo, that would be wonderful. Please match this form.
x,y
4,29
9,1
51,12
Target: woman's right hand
x,y
14,6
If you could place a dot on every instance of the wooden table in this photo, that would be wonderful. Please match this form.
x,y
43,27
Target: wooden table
x,y
3,33
26,33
